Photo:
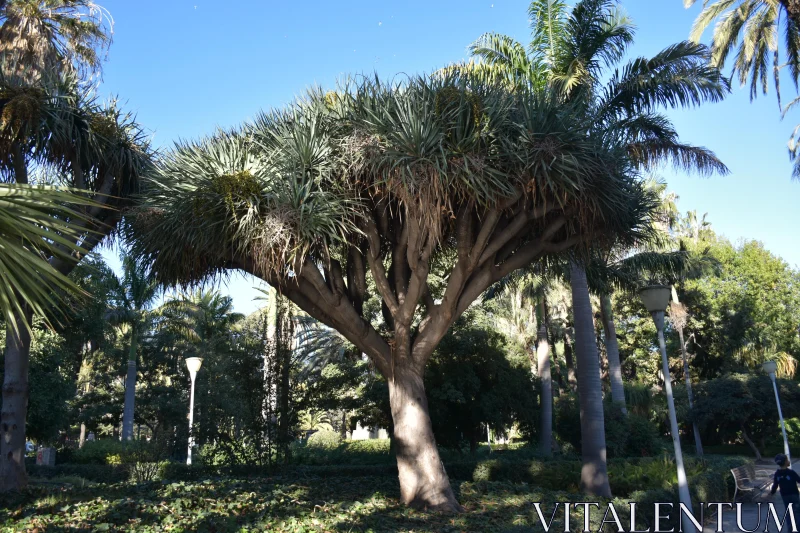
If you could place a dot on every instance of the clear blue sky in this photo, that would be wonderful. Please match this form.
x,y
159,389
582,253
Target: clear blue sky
x,y
188,66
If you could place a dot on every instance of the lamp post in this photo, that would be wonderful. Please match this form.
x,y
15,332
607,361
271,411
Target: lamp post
x,y
656,298
770,367
193,364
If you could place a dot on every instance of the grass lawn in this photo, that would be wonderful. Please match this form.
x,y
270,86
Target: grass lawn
x,y
270,504
498,495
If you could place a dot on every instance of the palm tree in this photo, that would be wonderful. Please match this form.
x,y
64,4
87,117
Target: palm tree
x,y
60,132
132,297
45,36
695,227
569,50
620,268
202,320
311,420
750,30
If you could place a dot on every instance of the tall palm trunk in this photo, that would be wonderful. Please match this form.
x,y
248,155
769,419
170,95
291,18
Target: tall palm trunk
x,y
543,367
572,380
698,443
15,407
130,390
594,473
612,350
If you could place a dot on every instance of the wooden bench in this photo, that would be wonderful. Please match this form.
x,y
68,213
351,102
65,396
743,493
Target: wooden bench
x,y
745,478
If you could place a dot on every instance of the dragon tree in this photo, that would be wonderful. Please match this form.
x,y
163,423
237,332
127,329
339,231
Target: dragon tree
x,y
360,193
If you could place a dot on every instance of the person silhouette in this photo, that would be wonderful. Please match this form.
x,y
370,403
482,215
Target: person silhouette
x,y
787,479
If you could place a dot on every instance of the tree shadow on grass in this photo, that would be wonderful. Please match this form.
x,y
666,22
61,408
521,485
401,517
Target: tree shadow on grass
x,y
280,505
489,507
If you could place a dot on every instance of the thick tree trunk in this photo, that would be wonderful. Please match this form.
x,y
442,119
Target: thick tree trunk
x,y
543,369
130,391
612,350
15,408
594,473
423,480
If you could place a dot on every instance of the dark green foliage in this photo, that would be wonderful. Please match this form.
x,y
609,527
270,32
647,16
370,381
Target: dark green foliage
x,y
99,452
743,308
325,439
728,405
115,452
473,381
358,452
346,498
626,436
101,473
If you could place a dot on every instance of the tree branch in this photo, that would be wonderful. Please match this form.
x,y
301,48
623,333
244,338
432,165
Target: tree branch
x,y
340,315
378,271
356,279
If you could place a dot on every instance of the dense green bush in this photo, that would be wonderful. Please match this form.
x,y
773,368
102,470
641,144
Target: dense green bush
x,y
325,439
99,452
355,452
370,446
630,435
138,453
643,480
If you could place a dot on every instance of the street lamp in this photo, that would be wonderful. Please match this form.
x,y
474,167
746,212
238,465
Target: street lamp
x,y
193,364
656,298
770,367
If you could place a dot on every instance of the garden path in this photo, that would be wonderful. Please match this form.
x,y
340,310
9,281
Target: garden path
x,y
754,516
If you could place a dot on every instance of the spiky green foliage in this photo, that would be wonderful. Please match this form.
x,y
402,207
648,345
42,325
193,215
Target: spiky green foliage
x,y
56,132
420,165
53,131
571,50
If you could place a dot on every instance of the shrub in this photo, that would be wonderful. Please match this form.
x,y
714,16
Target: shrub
x,y
114,452
142,472
642,437
567,423
325,439
99,452
371,446
630,435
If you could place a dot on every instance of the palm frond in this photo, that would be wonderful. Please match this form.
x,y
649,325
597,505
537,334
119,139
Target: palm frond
x,y
37,223
678,76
